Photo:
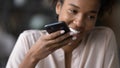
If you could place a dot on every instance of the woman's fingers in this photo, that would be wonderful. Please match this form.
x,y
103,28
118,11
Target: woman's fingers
x,y
60,38
54,35
60,44
49,43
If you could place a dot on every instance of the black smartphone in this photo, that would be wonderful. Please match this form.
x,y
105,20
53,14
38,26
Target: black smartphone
x,y
57,26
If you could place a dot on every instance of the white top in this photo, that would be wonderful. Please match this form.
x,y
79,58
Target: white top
x,y
98,50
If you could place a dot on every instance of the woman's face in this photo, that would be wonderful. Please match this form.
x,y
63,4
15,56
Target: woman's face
x,y
78,14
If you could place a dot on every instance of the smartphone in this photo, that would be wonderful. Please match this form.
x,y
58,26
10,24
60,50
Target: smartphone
x,y
57,26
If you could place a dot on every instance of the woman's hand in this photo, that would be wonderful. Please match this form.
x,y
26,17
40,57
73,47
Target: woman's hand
x,y
45,45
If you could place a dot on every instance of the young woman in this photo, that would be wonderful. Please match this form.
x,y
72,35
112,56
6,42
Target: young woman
x,y
92,47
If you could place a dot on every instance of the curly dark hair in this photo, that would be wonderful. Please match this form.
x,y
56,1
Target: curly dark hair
x,y
106,6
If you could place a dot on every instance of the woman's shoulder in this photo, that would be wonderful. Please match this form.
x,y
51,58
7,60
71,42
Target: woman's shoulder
x,y
101,30
33,33
29,37
29,32
101,33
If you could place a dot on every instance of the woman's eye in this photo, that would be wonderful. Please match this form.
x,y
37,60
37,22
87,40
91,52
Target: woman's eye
x,y
73,11
91,17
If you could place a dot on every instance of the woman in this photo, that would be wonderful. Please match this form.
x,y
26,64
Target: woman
x,y
92,47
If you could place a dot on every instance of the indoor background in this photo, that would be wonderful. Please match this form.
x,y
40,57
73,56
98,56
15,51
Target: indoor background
x,y
19,15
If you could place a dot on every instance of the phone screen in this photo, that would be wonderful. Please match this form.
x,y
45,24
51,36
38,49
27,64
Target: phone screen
x,y
57,26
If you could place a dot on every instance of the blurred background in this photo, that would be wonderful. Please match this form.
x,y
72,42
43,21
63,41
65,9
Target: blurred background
x,y
19,15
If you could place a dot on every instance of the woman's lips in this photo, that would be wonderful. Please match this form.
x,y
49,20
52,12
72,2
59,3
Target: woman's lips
x,y
74,31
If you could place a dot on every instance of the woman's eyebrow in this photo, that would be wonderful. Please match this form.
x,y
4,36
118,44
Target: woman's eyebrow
x,y
74,5
91,11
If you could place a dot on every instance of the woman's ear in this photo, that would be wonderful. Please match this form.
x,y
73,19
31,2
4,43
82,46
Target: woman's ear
x,y
58,8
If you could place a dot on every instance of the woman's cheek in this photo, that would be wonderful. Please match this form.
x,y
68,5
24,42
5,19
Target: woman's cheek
x,y
66,18
89,27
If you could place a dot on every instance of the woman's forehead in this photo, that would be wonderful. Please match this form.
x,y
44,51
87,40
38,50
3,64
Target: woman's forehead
x,y
88,4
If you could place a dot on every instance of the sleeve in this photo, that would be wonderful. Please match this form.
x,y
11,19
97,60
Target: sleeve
x,y
18,52
111,56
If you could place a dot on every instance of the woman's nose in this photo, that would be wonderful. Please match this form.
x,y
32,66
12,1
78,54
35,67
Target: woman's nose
x,y
79,20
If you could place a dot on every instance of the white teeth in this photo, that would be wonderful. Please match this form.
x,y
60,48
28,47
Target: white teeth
x,y
74,31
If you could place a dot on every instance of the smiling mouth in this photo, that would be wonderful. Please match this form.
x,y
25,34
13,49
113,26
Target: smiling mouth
x,y
74,31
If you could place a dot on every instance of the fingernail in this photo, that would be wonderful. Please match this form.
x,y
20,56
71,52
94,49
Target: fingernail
x,y
71,33
62,31
74,38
